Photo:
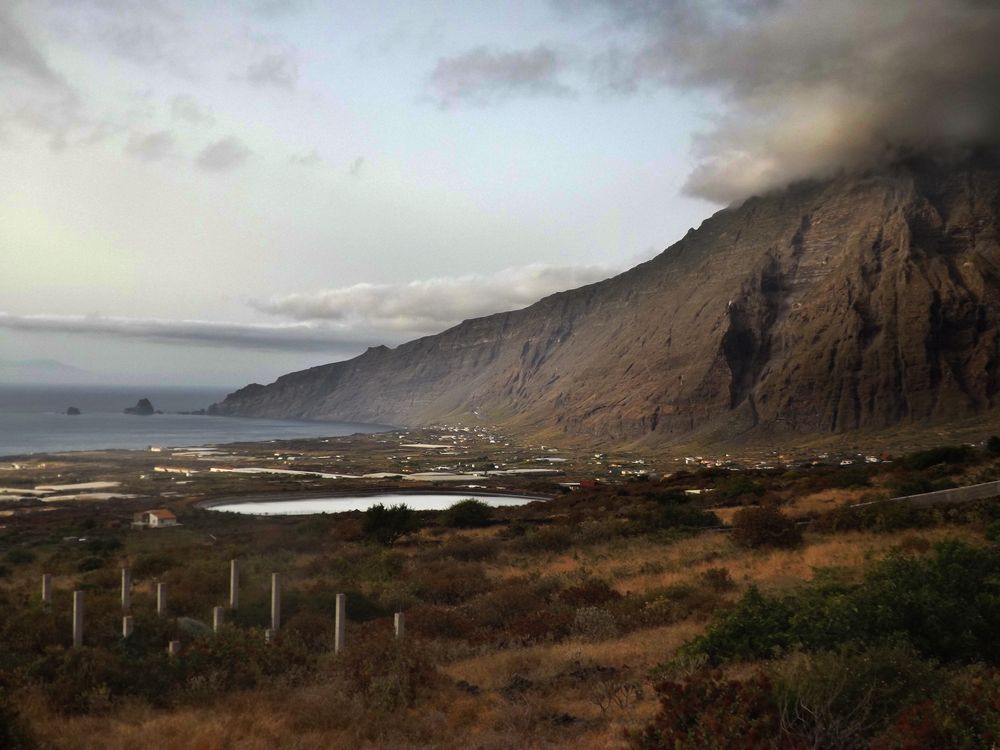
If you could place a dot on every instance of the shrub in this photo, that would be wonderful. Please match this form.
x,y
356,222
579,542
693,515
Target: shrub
x,y
547,539
13,734
681,516
593,593
718,579
385,525
765,527
845,477
594,624
739,488
430,621
840,699
471,550
90,563
951,455
757,628
19,556
154,564
498,608
467,514
387,672
993,445
965,715
946,605
706,710
449,582
880,517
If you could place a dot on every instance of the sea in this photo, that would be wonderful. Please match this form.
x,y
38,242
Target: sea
x,y
33,419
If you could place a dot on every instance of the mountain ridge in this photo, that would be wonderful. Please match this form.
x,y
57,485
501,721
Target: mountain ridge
x,y
860,302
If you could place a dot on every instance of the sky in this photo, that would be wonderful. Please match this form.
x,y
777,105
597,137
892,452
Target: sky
x,y
216,193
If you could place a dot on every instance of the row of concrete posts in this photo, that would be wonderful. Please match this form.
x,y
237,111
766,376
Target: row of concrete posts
x,y
128,622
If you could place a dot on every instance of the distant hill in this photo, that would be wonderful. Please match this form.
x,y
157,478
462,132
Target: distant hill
x,y
863,302
44,372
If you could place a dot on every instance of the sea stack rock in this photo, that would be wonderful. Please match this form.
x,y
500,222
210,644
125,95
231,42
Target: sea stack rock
x,y
143,407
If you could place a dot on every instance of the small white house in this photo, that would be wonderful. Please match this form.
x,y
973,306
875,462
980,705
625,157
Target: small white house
x,y
154,519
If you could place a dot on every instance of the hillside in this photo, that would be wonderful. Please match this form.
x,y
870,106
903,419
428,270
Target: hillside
x,y
862,302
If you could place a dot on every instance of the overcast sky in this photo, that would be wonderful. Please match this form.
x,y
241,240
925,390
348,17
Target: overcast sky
x,y
218,193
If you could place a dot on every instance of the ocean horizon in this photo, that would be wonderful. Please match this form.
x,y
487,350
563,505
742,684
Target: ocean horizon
x,y
33,419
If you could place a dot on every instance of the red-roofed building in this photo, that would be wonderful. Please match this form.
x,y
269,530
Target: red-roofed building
x,y
154,519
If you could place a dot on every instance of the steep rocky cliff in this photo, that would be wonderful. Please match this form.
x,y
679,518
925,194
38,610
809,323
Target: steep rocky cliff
x,y
865,301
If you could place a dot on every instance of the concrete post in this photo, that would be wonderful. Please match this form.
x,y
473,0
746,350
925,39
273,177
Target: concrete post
x,y
161,599
340,624
126,589
400,623
216,618
46,588
128,625
77,619
173,648
275,602
234,584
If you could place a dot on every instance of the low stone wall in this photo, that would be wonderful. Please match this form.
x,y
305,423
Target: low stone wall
x,y
955,495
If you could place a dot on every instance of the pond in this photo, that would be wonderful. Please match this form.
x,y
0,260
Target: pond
x,y
340,504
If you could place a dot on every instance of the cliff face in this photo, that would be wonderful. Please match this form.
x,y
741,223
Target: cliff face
x,y
861,302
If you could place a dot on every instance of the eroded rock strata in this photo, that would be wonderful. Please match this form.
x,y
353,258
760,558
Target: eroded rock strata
x,y
859,302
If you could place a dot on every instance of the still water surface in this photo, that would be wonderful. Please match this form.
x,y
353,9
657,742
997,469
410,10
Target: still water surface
x,y
33,420
417,501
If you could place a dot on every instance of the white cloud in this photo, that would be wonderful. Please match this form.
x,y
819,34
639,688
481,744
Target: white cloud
x,y
150,146
431,305
186,107
482,76
274,68
224,155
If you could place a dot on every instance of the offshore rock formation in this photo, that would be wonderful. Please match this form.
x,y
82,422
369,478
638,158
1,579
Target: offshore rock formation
x,y
865,301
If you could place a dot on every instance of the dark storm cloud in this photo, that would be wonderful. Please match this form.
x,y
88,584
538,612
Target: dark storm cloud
x,y
482,76
810,87
285,337
803,88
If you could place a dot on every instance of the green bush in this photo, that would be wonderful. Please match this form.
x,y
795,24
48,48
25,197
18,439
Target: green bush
x,y
841,699
881,517
153,564
386,525
546,539
90,563
950,455
993,445
681,516
765,526
845,477
739,488
945,605
467,514
19,556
